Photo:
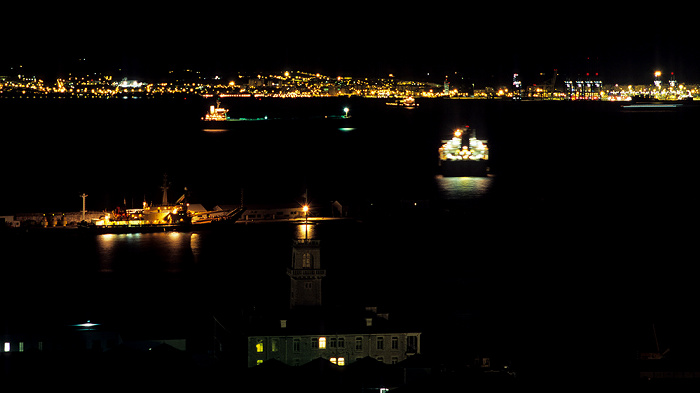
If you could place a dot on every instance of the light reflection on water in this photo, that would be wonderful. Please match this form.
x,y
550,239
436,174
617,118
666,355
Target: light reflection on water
x,y
305,231
150,251
461,188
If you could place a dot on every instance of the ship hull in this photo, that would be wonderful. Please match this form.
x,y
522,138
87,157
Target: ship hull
x,y
117,229
459,168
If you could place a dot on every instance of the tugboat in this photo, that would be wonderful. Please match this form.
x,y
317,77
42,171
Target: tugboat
x,y
458,159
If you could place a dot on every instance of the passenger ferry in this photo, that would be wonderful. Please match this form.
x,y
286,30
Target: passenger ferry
x,y
408,102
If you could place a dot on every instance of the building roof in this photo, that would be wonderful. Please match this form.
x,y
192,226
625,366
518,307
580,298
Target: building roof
x,y
196,207
325,321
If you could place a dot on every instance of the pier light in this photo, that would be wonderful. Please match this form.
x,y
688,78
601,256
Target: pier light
x,y
305,208
346,110
87,324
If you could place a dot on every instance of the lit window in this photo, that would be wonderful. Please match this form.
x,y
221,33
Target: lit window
x,y
259,346
322,342
338,361
259,362
7,347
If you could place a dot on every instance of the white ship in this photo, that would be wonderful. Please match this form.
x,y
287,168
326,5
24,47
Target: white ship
x,y
460,159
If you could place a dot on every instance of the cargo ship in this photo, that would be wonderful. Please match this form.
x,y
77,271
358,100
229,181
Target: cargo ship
x,y
150,218
457,158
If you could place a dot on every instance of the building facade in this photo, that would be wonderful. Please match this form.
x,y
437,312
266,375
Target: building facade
x,y
295,347
309,331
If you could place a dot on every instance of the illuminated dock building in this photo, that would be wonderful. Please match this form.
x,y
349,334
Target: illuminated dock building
x,y
584,88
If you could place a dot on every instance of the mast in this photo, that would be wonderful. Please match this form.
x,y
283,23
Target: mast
x,y
165,187
82,216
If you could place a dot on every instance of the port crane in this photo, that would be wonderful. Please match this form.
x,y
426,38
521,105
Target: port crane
x,y
548,86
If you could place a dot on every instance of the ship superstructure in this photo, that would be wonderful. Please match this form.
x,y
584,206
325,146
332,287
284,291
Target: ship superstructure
x,y
216,113
154,216
464,158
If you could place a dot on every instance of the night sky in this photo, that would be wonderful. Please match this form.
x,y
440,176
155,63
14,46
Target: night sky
x,y
483,43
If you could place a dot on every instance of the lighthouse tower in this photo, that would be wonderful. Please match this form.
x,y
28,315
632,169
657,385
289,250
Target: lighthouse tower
x,y
305,274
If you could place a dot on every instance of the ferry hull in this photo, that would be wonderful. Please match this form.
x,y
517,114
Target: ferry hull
x,y
459,168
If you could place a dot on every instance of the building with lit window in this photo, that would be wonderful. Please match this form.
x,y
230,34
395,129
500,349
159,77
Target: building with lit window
x,y
334,335
309,331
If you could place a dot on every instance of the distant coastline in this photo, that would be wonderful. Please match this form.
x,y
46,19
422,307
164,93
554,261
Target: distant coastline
x,y
299,84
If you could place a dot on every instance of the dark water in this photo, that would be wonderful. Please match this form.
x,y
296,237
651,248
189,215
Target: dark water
x,y
582,238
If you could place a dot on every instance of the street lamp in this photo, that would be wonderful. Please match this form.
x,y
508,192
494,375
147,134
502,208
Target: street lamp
x,y
305,209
